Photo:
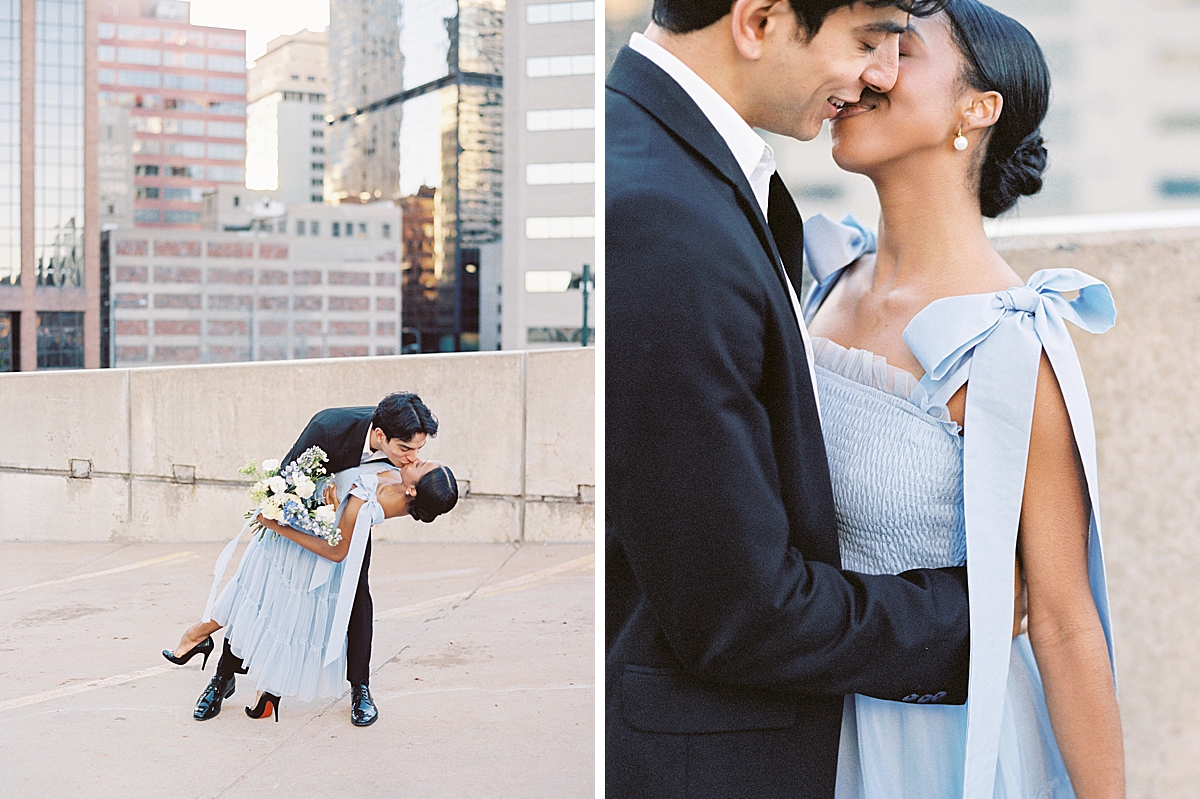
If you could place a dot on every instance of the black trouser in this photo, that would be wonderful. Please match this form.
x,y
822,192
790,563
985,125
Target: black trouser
x,y
358,635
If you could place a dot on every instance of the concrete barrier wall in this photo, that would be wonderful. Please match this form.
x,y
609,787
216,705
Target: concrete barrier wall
x,y
1144,377
160,447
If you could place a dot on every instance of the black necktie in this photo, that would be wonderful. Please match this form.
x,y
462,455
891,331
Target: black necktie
x,y
788,230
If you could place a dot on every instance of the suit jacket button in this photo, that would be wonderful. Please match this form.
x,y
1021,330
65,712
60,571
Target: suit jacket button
x,y
925,700
939,696
911,698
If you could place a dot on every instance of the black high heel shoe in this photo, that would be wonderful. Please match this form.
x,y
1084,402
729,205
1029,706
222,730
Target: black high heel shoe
x,y
205,648
267,703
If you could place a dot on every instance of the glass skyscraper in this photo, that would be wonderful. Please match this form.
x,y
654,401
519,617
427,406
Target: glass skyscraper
x,y
49,264
451,131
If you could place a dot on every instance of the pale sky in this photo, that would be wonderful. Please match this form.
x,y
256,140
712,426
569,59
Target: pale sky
x,y
262,20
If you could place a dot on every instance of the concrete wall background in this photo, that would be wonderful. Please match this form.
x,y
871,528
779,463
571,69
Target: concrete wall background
x,y
517,427
1143,377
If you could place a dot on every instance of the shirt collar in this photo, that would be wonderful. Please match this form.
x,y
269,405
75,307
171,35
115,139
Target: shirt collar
x,y
752,153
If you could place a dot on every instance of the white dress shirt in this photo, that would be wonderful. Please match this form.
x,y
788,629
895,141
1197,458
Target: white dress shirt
x,y
752,154
369,454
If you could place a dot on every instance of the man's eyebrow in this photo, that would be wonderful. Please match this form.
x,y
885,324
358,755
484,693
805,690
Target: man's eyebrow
x,y
914,32
884,27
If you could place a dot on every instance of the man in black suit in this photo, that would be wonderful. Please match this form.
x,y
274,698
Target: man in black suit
x,y
732,633
395,429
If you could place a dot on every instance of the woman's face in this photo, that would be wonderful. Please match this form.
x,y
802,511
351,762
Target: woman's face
x,y
413,472
921,113
398,487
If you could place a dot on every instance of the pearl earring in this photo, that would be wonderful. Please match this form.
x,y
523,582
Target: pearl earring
x,y
960,142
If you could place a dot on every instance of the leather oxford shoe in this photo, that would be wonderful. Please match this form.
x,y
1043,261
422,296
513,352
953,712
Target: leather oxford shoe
x,y
362,709
209,704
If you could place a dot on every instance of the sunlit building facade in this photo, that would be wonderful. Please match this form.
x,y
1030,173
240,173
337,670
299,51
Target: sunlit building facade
x,y
182,91
286,133
49,236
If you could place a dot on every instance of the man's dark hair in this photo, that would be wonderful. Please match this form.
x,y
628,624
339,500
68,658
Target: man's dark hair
x,y
402,415
683,16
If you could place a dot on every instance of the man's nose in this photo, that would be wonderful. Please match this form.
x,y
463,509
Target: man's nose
x,y
880,74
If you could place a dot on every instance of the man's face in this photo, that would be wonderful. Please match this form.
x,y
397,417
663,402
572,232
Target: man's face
x,y
400,453
806,81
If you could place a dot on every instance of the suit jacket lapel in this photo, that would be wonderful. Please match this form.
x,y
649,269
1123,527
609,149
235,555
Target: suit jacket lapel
x,y
643,82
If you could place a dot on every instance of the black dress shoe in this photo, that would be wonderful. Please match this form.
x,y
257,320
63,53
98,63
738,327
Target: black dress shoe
x,y
362,709
209,705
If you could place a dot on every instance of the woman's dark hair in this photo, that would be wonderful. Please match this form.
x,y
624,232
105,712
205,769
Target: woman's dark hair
x,y
1002,56
683,16
402,415
437,493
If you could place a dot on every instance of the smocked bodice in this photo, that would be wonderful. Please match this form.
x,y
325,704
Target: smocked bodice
x,y
896,464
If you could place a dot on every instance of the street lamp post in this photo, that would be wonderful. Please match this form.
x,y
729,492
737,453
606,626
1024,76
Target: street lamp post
x,y
585,283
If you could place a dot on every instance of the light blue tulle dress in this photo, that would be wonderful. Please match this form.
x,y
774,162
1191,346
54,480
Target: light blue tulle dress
x,y
286,609
911,492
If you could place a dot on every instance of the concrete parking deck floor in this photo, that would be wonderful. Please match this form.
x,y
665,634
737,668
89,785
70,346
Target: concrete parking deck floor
x,y
483,672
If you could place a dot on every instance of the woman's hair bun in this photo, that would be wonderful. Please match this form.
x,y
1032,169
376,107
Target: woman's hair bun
x,y
1006,180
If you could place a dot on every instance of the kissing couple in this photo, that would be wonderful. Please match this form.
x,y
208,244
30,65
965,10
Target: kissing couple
x,y
298,612
852,543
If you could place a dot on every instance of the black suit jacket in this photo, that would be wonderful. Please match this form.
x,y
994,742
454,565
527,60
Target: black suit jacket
x,y
340,432
732,633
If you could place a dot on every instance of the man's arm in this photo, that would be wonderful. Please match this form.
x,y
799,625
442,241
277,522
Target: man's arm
x,y
694,487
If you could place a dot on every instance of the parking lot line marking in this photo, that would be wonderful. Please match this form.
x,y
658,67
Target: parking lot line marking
x,y
68,690
139,565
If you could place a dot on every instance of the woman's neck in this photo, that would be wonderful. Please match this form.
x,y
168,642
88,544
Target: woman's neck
x,y
931,229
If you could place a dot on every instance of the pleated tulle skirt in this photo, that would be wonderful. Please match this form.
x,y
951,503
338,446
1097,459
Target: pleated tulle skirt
x,y
892,750
278,626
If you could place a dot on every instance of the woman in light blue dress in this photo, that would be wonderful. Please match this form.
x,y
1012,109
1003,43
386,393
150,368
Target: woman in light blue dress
x,y
287,608
958,427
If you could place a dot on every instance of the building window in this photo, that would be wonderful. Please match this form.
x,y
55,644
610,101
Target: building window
x,y
106,30
145,215
560,227
318,182
237,201
182,217
106,52
386,231
362,230
319,166
337,230
541,13
318,150
316,198
299,227
227,85
318,134
227,108
147,193
145,169
226,63
1179,188
559,65
318,118
312,79
60,340
314,227
227,174
8,335
281,226
227,152
551,174
561,119
316,98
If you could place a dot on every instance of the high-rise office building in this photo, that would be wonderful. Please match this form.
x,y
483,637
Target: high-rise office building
x,y
550,168
286,133
451,133
49,235
183,88
364,68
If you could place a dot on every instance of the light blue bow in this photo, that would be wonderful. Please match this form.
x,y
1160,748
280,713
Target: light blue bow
x,y
371,513
832,246
943,335
997,340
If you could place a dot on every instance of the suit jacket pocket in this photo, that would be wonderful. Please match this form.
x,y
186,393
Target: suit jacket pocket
x,y
658,700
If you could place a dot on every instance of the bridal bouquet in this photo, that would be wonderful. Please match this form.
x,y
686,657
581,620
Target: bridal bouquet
x,y
290,496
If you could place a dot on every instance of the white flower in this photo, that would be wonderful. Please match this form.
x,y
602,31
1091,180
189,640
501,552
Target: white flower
x,y
270,465
325,514
305,487
258,492
277,484
273,509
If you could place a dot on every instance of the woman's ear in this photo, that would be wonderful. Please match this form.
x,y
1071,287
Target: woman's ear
x,y
983,112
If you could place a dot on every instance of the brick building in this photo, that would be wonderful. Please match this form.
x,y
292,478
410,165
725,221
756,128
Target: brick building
x,y
181,91
322,281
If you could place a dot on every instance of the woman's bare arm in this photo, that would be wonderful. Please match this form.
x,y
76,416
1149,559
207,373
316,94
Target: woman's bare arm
x,y
1064,626
317,545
